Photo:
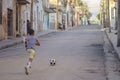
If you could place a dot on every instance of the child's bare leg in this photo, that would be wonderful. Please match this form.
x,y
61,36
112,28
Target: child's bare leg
x,y
29,62
32,55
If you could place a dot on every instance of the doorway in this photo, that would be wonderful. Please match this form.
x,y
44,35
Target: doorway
x,y
10,22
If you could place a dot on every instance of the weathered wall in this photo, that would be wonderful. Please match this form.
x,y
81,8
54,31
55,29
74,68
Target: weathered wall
x,y
52,25
11,4
2,33
112,13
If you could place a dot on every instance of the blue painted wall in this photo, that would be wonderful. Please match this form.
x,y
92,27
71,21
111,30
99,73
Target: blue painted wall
x,y
46,21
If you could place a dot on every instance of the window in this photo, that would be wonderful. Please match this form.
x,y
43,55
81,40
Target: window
x,y
0,11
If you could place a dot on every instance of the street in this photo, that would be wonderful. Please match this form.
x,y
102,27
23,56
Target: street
x,y
78,52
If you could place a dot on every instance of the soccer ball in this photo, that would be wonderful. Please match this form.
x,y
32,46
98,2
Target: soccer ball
x,y
52,62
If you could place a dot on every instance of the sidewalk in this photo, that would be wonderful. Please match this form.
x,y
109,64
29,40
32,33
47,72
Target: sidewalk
x,y
11,42
113,40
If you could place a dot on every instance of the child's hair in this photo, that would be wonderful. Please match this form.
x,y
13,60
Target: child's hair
x,y
31,32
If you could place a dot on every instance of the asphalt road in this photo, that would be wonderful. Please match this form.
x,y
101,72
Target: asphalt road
x,y
78,52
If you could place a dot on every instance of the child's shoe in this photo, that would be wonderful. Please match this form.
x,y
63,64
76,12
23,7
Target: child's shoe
x,y
26,71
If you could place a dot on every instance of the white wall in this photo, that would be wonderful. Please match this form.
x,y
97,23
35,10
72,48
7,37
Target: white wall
x,y
37,16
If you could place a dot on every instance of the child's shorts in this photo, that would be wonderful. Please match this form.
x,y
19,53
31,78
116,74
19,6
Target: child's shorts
x,y
32,53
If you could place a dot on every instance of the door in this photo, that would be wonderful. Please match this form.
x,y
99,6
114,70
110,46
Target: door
x,y
10,22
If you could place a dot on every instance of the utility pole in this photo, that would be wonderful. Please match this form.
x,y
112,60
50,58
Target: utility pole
x,y
116,14
31,15
118,33
108,16
103,14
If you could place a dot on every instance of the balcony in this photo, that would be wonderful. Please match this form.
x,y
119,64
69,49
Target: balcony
x,y
46,7
23,2
51,6
49,10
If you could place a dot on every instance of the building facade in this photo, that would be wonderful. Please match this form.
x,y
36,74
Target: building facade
x,y
38,15
8,19
42,15
22,15
112,13
48,14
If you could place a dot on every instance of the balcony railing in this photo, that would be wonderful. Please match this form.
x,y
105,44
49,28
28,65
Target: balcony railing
x,y
23,1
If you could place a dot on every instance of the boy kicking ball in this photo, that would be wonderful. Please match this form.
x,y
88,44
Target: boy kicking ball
x,y
30,42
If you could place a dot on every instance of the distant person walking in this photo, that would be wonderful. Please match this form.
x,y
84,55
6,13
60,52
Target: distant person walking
x,y
30,42
63,24
28,26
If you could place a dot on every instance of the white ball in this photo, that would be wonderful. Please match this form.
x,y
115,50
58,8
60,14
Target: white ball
x,y
52,62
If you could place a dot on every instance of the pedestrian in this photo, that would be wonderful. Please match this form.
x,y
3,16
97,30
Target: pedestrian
x,y
30,42
63,25
28,26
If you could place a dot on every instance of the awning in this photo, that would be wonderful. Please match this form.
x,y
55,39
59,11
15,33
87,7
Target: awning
x,y
23,2
49,10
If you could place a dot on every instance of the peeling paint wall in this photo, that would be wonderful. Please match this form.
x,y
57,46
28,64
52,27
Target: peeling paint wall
x,y
2,33
37,16
7,4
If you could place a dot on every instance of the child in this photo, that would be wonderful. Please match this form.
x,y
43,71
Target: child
x,y
30,42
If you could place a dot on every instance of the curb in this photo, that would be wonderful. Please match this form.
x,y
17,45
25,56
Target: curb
x,y
10,45
115,50
111,59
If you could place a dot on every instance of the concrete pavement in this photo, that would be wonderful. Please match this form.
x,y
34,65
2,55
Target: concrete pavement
x,y
79,56
84,64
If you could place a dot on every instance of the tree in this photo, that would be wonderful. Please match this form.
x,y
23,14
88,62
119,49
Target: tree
x,y
64,3
108,15
103,12
80,2
98,16
89,15
85,10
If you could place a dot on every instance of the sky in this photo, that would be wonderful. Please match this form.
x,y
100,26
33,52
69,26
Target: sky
x,y
94,6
